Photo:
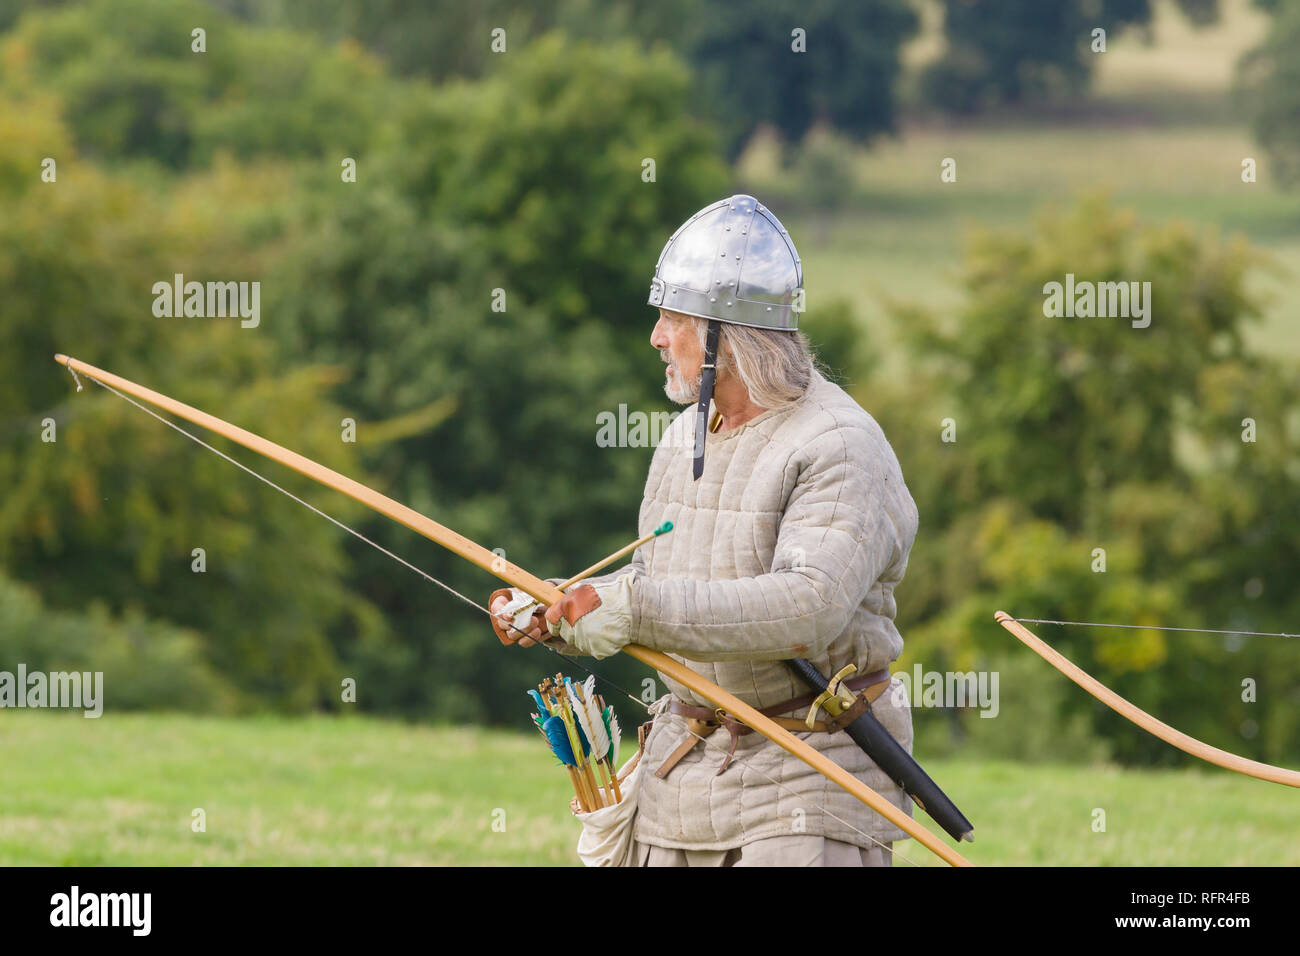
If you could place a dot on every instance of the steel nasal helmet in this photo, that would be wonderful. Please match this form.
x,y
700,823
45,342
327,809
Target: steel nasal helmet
x,y
732,261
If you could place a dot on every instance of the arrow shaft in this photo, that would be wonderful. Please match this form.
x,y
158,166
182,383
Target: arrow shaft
x,y
606,561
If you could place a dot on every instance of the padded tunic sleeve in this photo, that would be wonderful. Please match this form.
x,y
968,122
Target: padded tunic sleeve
x,y
843,526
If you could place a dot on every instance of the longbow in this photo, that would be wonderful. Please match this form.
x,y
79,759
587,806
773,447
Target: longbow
x,y
534,586
1126,708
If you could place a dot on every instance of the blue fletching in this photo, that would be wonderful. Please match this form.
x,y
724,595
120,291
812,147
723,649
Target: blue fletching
x,y
541,704
582,738
559,738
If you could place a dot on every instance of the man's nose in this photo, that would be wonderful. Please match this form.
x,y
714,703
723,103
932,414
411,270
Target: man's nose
x,y
658,336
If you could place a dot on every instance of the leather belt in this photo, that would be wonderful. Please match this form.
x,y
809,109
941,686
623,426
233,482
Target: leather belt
x,y
702,721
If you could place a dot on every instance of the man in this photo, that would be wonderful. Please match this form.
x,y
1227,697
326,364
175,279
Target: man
x,y
792,527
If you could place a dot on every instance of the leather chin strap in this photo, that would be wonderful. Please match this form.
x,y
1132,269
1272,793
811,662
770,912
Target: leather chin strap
x,y
708,376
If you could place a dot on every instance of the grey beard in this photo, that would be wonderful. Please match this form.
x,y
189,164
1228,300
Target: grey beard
x,y
683,395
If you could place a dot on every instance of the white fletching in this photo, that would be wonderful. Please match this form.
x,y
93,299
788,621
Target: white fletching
x,y
618,735
599,739
580,714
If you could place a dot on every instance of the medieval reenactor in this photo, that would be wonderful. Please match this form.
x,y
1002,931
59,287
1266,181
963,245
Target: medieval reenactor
x,y
792,529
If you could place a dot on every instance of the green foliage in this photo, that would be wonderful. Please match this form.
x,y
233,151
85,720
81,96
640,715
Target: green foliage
x,y
11,10
451,40
112,508
131,87
1154,471
824,170
1009,51
750,73
1269,84
378,292
742,53
145,663
542,169
1058,382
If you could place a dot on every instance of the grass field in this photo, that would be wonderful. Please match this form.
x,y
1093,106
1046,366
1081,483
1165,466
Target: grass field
x,y
1162,133
326,791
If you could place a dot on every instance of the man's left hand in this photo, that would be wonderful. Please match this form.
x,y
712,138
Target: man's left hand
x,y
595,621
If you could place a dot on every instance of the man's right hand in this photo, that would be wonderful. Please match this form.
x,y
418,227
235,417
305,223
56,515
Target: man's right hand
x,y
502,624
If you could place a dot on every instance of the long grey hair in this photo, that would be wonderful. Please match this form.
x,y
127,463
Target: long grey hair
x,y
776,367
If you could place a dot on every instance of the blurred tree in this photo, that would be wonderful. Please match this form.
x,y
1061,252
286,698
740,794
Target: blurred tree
x,y
145,663
845,74
112,508
743,53
534,182
824,177
1006,51
1269,83
1085,433
11,10
131,87
452,40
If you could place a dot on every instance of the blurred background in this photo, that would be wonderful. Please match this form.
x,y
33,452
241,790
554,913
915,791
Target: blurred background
x,y
501,153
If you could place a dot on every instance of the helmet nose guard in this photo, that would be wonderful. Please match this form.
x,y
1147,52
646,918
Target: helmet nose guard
x,y
732,261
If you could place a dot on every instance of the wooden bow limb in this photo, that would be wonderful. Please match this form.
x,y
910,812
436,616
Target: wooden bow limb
x,y
1176,738
534,586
